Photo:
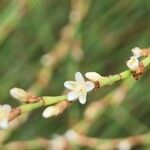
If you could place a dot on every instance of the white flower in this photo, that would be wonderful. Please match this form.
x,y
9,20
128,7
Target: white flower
x,y
136,52
50,111
133,63
79,88
124,145
93,76
18,94
4,114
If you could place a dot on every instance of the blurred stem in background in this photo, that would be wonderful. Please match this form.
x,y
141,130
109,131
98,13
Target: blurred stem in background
x,y
15,12
66,142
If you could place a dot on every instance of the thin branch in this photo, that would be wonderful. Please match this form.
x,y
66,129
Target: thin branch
x,y
44,101
53,100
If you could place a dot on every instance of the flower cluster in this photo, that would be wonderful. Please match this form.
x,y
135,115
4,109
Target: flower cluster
x,y
50,111
79,89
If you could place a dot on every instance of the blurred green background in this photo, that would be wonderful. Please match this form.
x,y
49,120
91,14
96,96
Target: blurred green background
x,y
109,29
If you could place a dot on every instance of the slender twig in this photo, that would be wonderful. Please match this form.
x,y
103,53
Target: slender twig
x,y
53,100
13,19
44,101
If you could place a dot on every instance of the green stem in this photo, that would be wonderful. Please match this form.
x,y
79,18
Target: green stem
x,y
146,61
121,76
46,100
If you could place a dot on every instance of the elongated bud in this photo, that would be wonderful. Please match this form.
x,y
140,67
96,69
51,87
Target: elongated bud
x,y
50,111
93,76
56,110
137,52
133,63
18,94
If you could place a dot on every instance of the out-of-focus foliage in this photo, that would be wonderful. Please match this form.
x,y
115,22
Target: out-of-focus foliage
x,y
108,32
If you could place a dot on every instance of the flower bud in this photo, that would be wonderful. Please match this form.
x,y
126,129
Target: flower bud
x,y
50,111
93,76
18,94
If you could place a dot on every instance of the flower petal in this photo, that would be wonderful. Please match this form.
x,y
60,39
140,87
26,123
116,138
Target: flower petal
x,y
82,98
4,123
133,63
6,108
73,95
89,86
136,52
71,85
79,78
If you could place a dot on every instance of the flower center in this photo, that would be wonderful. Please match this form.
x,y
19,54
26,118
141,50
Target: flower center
x,y
81,88
133,61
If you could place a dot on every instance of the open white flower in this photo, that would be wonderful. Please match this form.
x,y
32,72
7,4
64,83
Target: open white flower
x,y
93,76
136,52
79,88
133,63
4,114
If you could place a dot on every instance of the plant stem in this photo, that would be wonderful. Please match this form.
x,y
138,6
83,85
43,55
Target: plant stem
x,y
46,100
121,76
